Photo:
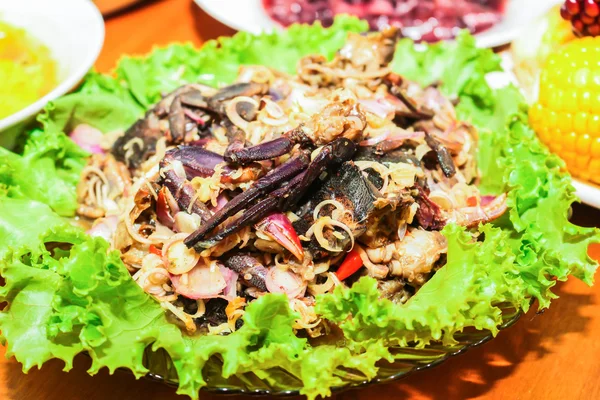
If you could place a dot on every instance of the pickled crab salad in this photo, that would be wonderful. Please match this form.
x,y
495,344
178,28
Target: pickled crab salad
x,y
287,184
270,203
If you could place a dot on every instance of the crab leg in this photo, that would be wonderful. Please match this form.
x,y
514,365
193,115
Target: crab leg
x,y
237,140
194,99
267,150
443,155
280,174
281,199
176,120
239,89
279,228
184,193
249,217
336,152
196,160
251,271
253,214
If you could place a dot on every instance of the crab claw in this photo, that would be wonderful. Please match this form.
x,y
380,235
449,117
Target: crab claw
x,y
279,228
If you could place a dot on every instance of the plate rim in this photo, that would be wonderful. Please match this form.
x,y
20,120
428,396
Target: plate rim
x,y
69,82
587,192
486,39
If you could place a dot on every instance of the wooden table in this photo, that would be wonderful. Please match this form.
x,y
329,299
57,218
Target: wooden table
x,y
550,356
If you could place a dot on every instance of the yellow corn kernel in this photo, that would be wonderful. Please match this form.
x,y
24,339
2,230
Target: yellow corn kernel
x,y
565,122
569,140
585,101
594,125
595,148
596,102
580,122
567,114
583,144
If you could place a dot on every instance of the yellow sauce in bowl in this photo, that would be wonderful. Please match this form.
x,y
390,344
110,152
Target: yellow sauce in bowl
x,y
27,71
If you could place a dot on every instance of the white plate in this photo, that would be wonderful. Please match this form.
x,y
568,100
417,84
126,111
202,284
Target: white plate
x,y
588,193
249,16
73,30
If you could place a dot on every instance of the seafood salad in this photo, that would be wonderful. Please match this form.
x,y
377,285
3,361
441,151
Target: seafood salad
x,y
287,184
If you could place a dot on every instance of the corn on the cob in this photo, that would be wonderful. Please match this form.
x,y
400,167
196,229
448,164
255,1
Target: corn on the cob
x,y
567,114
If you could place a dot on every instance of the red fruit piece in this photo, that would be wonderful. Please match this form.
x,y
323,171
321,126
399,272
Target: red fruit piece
x,y
593,30
586,19
591,8
578,25
565,14
573,6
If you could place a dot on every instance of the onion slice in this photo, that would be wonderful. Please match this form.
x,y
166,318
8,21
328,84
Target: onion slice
x,y
231,278
279,281
202,282
88,138
166,207
381,108
105,228
178,258
399,135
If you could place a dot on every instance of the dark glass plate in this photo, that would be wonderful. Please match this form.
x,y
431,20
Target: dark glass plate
x,y
409,360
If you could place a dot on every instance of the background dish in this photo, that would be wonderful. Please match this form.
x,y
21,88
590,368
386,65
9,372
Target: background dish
x,y
588,193
107,7
249,16
73,30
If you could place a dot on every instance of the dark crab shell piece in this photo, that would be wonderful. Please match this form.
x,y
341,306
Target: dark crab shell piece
x,y
139,141
239,89
371,153
347,185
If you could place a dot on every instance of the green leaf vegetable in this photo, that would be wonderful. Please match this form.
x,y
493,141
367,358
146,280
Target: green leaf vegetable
x,y
68,294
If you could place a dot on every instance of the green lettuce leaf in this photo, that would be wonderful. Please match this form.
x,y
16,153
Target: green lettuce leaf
x,y
82,298
67,293
464,293
104,111
48,169
218,62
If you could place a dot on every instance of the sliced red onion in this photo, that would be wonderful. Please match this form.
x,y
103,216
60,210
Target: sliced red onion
x,y
166,207
231,277
398,135
279,281
105,228
485,200
88,138
202,282
193,116
310,105
201,142
222,200
381,108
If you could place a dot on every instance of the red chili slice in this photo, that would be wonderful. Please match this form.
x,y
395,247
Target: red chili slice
x,y
350,265
155,250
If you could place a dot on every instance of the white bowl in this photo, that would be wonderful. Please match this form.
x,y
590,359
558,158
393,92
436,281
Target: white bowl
x,y
73,30
250,16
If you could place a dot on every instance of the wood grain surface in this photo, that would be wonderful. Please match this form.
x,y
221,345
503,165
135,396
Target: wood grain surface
x,y
549,356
